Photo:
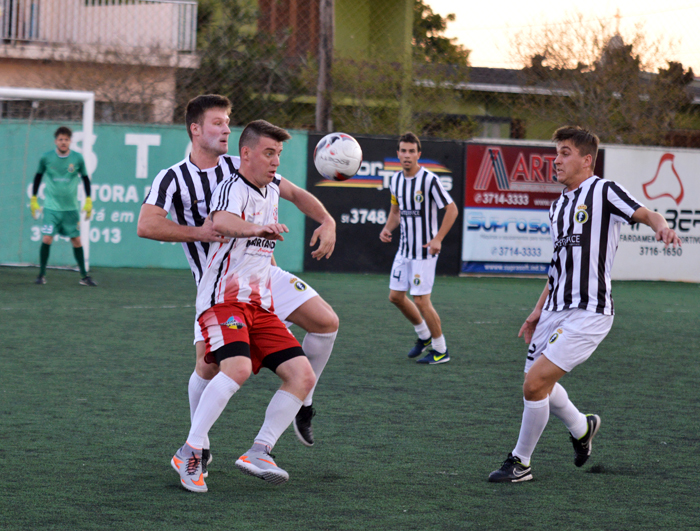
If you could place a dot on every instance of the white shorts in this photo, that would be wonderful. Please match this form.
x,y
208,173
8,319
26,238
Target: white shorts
x,y
418,275
288,293
567,338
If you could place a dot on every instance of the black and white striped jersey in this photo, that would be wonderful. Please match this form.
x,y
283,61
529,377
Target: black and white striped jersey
x,y
419,198
585,225
185,191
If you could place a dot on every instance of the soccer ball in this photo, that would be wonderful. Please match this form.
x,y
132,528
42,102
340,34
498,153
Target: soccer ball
x,y
337,156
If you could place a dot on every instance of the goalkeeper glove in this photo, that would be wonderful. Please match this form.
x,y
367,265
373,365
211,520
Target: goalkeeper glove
x,y
34,206
88,207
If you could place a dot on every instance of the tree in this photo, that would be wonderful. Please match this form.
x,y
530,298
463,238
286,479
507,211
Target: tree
x,y
596,78
250,67
429,43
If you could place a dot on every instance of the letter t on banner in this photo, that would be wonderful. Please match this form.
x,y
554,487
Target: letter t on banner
x,y
142,142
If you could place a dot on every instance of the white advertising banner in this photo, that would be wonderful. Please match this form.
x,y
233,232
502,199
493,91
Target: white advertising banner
x,y
666,180
505,240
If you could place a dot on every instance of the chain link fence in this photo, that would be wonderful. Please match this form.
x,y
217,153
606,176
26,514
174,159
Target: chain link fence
x,y
264,55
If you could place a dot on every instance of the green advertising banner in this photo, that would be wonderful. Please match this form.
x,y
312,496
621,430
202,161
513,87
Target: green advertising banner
x,y
124,161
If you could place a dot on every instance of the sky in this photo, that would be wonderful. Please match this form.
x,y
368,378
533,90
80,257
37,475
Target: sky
x,y
486,27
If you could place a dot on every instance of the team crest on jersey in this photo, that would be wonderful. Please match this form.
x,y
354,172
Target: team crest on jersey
x,y
233,323
555,335
416,280
298,284
418,198
71,168
581,215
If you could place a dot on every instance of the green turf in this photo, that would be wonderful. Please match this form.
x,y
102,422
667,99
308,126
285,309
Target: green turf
x,y
93,404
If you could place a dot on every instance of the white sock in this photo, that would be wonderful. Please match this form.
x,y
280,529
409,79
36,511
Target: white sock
x,y
561,407
195,389
280,413
535,418
317,348
439,344
211,405
422,330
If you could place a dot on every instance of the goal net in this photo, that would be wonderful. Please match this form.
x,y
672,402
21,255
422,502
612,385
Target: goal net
x,y
28,120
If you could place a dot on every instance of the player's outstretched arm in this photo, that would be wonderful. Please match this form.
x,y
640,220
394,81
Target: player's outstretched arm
x,y
528,328
310,206
392,221
658,224
154,225
234,226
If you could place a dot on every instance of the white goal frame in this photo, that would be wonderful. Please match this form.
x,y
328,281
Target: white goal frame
x,y
88,101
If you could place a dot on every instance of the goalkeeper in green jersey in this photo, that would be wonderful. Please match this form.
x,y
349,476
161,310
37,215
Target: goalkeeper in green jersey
x,y
63,169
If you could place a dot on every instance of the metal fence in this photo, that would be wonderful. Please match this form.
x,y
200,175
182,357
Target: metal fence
x,y
153,56
109,24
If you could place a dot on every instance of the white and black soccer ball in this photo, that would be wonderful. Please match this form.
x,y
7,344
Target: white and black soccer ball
x,y
338,156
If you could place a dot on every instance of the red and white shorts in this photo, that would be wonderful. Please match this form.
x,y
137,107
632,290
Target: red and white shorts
x,y
288,293
233,322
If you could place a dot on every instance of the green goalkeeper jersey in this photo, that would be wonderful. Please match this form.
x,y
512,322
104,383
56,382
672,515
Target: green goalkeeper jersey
x,y
62,176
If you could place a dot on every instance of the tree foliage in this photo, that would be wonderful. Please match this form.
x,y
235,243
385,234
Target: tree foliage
x,y
250,67
429,43
256,70
599,79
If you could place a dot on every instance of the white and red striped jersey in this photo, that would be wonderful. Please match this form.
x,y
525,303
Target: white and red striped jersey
x,y
239,271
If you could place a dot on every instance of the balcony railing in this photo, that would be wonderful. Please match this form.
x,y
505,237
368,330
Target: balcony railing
x,y
166,25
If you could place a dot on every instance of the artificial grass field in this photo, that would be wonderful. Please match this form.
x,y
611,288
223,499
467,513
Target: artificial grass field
x,y
93,404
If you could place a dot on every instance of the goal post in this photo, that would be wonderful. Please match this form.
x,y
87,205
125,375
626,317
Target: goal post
x,y
88,117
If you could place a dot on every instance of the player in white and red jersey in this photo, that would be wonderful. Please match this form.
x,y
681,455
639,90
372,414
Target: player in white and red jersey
x,y
234,309
184,192
239,270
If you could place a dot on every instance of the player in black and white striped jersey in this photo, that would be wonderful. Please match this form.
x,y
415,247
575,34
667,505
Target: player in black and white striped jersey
x,y
416,196
184,191
575,310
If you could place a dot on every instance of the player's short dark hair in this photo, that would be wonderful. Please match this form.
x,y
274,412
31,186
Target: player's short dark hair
x,y
63,130
410,138
196,107
585,141
259,128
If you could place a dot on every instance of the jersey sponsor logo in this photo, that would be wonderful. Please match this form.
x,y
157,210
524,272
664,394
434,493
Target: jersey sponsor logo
x,y
233,323
410,213
416,280
261,243
418,198
298,284
572,240
581,216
